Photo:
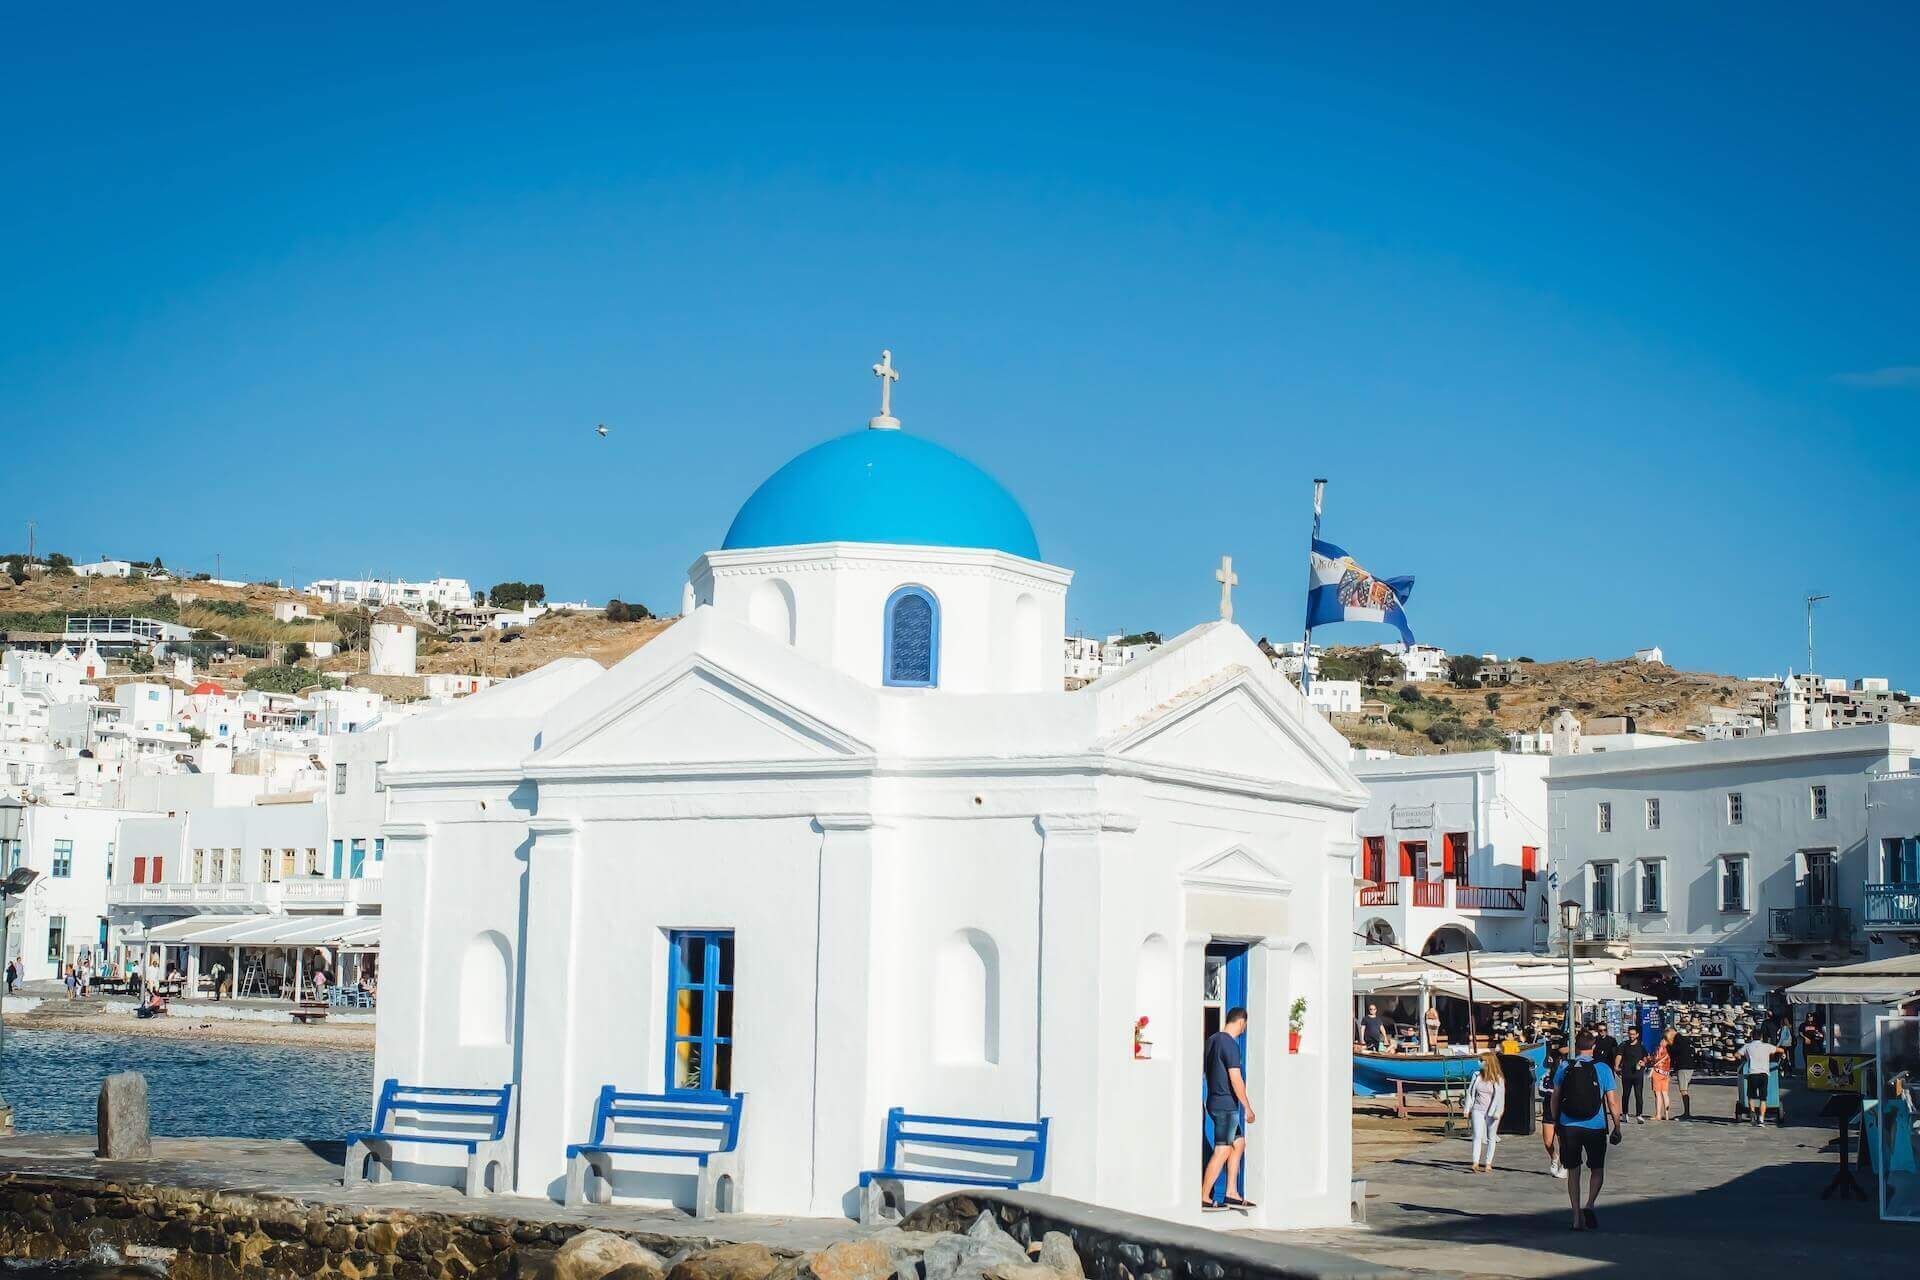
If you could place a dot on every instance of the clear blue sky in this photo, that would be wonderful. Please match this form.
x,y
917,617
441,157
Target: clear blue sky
x,y
1602,326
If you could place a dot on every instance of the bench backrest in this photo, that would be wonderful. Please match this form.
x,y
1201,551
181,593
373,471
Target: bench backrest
x,y
1012,1149
480,1113
695,1121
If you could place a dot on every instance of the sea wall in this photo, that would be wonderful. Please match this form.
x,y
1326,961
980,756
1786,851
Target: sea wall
x,y
1114,1245
200,1235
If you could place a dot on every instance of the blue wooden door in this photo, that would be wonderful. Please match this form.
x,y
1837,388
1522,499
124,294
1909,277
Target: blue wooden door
x,y
1224,987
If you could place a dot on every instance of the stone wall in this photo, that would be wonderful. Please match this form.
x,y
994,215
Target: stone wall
x,y
1126,1246
200,1235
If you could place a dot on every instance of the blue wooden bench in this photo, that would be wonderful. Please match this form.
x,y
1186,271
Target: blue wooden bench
x,y
953,1150
481,1120
702,1127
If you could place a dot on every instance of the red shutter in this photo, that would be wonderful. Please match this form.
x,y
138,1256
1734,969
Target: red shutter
x,y
1449,856
1406,859
156,871
1529,862
139,870
1374,863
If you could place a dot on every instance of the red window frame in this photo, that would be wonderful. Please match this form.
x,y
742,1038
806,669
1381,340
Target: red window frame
x,y
139,870
1455,856
1529,862
1373,859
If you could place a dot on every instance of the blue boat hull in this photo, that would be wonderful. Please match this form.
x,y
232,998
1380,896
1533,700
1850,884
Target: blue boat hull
x,y
1379,1073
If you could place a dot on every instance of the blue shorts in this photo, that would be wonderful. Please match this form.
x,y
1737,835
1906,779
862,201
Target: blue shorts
x,y
1226,1125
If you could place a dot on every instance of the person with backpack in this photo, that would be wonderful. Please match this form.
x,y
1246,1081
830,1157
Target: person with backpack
x,y
1586,1111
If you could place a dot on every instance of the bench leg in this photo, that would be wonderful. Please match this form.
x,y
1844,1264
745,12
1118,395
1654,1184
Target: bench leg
x,y
874,1210
367,1162
353,1170
479,1161
576,1181
722,1169
1357,1202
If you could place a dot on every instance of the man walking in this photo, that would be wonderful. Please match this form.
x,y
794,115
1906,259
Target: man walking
x,y
1631,1068
1680,1051
1586,1109
1227,1101
1756,1056
1373,1028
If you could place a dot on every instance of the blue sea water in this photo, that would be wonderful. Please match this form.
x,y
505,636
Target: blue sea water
x,y
203,1089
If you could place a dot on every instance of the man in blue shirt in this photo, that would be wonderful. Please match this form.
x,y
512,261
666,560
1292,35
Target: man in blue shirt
x,y
1585,1107
1226,1099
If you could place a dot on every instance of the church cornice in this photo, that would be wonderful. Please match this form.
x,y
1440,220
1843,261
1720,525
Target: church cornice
x,y
840,557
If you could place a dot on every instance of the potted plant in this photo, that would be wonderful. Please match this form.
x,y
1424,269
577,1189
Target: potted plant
x,y
1142,1047
1296,1019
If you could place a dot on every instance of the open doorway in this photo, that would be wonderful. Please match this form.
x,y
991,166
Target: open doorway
x,y
1223,987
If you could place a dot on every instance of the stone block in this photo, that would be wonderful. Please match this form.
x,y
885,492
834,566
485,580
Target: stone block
x,y
124,1128
853,1260
727,1262
1057,1252
593,1254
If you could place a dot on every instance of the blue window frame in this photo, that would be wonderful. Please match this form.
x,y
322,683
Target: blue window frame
x,y
357,866
700,1011
62,859
379,849
339,859
912,639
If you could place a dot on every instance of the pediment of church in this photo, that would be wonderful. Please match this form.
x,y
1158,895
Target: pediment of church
x,y
700,714
1237,869
1232,730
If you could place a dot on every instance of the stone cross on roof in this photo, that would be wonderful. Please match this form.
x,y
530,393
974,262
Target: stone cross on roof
x,y
1227,579
888,375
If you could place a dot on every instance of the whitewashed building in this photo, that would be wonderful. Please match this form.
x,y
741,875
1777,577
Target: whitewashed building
x,y
1424,663
1335,697
849,790
63,918
440,593
1753,854
1453,852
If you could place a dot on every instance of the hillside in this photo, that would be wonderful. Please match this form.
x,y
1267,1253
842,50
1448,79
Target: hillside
x,y
245,614
1660,699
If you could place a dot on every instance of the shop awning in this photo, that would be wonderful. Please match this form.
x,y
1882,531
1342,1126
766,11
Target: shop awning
x,y
1890,982
1586,986
354,933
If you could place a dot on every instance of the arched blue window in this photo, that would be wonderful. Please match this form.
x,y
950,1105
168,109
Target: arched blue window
x,y
912,655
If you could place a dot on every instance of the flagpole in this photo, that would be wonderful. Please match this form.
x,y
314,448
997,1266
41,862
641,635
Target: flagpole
x,y
1306,636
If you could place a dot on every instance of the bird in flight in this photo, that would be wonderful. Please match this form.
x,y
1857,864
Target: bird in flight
x,y
602,429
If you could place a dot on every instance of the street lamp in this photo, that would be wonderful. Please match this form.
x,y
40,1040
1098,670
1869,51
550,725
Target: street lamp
x,y
1570,921
18,882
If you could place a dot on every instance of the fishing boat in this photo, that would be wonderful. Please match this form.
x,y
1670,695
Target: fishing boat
x,y
1375,1074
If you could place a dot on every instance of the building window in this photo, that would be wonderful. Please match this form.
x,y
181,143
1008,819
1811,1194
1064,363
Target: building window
x,y
700,1012
62,859
266,866
912,657
109,862
340,779
289,863
1819,802
1600,901
1606,816
219,865
1902,859
1736,809
1821,883
1733,882
379,849
1653,885
140,870
1529,862
199,866
313,861
339,858
357,864
1373,859
1653,815
379,782
56,939
1453,856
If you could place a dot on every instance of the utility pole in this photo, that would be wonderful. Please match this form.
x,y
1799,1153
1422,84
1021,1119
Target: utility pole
x,y
30,527
1811,601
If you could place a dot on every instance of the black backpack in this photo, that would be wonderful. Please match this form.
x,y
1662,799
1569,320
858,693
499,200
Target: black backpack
x,y
1580,1092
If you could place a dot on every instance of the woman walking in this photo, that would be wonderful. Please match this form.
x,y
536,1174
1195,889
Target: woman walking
x,y
1661,1073
1486,1103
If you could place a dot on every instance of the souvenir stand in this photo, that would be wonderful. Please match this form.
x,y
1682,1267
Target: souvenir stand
x,y
1891,1120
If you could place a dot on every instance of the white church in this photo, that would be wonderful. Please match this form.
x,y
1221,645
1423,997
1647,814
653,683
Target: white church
x,y
840,840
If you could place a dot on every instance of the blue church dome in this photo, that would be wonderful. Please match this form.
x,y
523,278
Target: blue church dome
x,y
881,485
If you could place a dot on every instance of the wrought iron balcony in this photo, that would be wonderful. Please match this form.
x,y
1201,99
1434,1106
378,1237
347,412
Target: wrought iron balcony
x,y
1486,897
1893,906
1604,926
1809,924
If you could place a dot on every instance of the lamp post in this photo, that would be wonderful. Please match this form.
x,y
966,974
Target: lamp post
x,y
1570,921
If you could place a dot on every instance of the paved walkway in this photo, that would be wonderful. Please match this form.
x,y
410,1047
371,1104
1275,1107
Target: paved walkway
x,y
1706,1197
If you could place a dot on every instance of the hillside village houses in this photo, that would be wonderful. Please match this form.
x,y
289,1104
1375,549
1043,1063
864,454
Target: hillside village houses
x,y
438,593
154,805
1423,663
849,844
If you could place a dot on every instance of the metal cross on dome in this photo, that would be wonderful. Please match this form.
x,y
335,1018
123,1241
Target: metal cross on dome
x,y
888,375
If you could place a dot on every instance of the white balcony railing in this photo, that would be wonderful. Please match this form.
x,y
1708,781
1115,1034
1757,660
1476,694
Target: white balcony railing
x,y
318,891
233,895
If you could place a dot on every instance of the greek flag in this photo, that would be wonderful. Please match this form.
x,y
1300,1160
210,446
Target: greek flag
x,y
1339,590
